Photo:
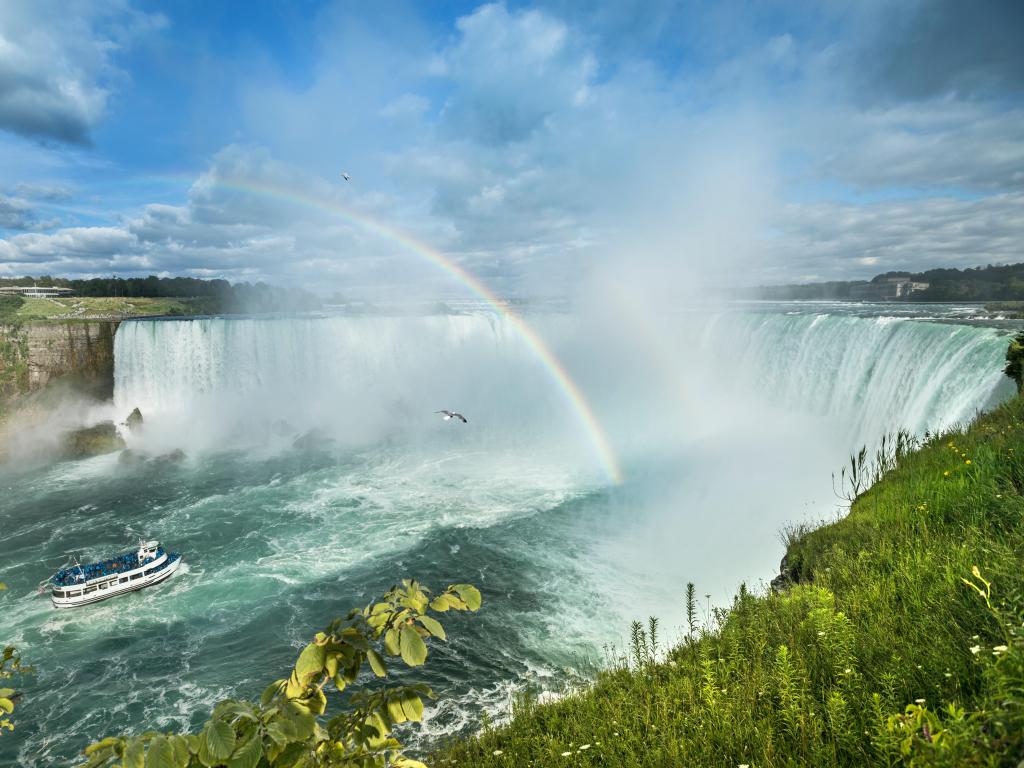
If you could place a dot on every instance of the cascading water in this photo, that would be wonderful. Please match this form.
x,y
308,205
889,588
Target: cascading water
x,y
317,474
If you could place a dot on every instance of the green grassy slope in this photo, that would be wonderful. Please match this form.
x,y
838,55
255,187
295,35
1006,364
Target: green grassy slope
x,y
881,654
110,307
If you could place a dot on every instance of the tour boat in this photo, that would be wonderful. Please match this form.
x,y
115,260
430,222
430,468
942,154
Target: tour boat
x,y
89,583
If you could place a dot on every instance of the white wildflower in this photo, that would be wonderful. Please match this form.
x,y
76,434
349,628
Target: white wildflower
x,y
585,746
567,754
496,752
919,701
975,649
998,649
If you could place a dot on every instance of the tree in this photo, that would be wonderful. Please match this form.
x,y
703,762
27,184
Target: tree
x,y
287,727
1015,360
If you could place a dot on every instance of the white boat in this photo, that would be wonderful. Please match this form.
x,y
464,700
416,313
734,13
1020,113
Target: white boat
x,y
82,584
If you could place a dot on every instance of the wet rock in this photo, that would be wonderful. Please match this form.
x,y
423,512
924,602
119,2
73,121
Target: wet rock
x,y
314,440
134,420
91,441
132,456
173,457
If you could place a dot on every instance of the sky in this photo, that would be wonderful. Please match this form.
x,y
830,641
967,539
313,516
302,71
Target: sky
x,y
530,143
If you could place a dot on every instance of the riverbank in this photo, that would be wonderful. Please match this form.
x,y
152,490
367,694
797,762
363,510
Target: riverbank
x,y
879,648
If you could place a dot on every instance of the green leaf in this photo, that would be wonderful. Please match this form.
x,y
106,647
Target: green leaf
x,y
331,664
134,754
271,691
5,692
433,626
412,705
248,755
414,650
300,718
377,664
281,731
340,682
311,662
181,751
107,742
160,753
220,739
392,646
470,595
395,709
440,604
6,705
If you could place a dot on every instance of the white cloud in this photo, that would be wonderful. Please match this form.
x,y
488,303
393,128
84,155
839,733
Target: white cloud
x,y
57,64
843,240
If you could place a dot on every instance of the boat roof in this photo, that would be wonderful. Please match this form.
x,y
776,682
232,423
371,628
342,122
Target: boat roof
x,y
111,566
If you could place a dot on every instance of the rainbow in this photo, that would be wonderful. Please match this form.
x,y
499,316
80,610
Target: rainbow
x,y
584,413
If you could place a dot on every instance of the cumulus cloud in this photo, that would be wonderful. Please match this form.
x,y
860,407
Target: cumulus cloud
x,y
828,239
57,64
510,72
940,47
240,221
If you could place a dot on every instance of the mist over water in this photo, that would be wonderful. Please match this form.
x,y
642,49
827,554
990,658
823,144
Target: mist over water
x,y
318,474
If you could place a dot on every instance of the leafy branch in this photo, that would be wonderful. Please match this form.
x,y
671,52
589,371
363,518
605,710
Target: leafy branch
x,y
287,726
10,665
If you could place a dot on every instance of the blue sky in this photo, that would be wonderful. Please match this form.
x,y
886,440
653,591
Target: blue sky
x,y
534,143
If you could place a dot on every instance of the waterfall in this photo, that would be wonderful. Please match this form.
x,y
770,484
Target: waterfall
x,y
367,376
875,374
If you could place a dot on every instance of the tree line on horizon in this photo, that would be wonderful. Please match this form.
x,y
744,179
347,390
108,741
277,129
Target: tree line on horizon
x,y
219,295
988,283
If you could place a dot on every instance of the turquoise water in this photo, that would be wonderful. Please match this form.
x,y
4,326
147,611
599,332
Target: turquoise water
x,y
317,474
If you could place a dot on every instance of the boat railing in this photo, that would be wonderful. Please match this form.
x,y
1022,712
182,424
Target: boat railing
x,y
116,566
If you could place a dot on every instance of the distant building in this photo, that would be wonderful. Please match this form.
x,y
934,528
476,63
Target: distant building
x,y
36,291
886,289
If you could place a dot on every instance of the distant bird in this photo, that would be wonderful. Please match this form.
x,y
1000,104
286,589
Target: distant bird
x,y
449,415
346,177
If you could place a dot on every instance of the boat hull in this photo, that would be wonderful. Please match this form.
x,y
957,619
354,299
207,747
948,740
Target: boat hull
x,y
114,589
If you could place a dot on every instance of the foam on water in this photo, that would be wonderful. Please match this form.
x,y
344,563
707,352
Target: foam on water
x,y
317,474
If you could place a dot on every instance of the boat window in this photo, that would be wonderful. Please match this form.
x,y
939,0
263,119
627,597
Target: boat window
x,y
103,585
136,576
90,589
124,579
58,593
74,594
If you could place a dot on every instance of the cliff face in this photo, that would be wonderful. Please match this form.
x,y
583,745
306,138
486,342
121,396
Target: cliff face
x,y
34,355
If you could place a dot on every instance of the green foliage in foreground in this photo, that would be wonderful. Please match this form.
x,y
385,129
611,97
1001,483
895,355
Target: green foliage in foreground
x,y
898,642
287,726
10,666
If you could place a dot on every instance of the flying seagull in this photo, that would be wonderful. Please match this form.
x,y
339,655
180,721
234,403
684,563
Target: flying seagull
x,y
346,177
449,415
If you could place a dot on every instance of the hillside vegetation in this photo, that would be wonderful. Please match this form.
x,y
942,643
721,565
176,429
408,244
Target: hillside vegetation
x,y
1002,283
897,641
105,307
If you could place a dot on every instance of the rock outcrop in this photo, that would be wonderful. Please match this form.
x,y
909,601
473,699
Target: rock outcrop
x,y
91,441
35,355
134,421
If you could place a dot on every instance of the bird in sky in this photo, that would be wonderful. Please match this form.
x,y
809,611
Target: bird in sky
x,y
346,177
449,415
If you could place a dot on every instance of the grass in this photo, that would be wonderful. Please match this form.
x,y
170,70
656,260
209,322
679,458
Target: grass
x,y
105,307
898,642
